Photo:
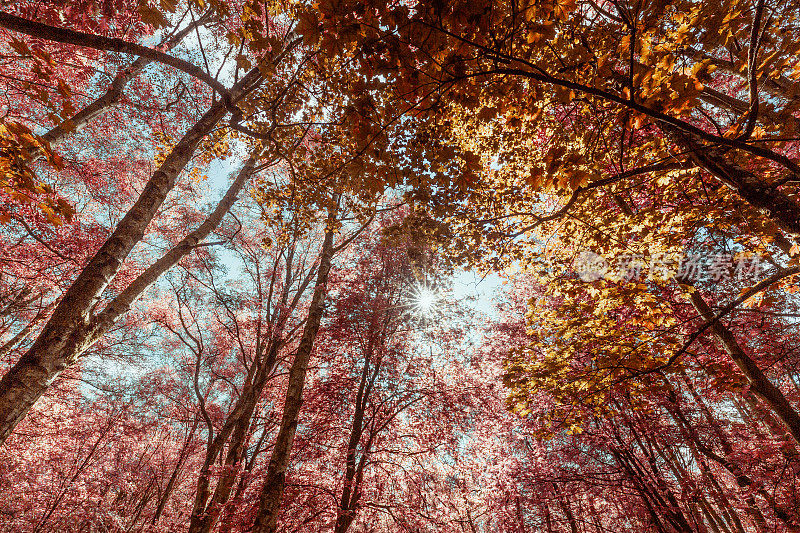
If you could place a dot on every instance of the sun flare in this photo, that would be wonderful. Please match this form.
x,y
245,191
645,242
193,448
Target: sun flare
x,y
424,300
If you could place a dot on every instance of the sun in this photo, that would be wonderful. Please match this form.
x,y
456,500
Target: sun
x,y
423,299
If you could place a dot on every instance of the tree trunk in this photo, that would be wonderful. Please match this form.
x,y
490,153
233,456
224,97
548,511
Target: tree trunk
x,y
759,383
72,328
227,524
688,486
727,449
742,480
205,514
350,490
270,500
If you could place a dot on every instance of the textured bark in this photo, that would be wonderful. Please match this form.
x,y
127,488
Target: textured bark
x,y
72,328
236,430
204,513
122,303
272,492
759,383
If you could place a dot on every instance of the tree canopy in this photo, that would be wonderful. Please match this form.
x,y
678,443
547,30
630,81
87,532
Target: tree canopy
x,y
231,232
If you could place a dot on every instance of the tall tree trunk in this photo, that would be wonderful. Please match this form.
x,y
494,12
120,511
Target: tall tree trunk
x,y
272,493
228,522
204,513
147,495
650,453
759,383
350,489
563,502
727,449
733,468
643,489
688,486
73,326
547,520
236,429
521,514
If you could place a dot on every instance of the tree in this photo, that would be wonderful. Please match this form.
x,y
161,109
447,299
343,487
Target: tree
x,y
618,116
224,226
75,324
239,347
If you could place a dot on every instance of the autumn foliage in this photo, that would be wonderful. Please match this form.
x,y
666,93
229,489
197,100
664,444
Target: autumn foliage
x,y
234,237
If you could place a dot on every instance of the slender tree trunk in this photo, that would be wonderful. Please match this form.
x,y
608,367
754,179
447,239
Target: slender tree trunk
x,y
660,482
741,479
147,495
729,513
547,520
173,478
759,383
727,449
688,486
270,501
73,328
205,514
227,523
642,488
521,514
573,524
350,490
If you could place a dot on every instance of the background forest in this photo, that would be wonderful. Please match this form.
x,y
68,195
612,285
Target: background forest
x,y
234,236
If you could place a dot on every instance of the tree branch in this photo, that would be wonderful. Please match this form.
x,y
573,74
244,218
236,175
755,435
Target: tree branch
x,y
108,44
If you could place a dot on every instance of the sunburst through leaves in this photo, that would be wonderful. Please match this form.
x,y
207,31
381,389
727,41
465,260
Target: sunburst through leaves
x,y
423,300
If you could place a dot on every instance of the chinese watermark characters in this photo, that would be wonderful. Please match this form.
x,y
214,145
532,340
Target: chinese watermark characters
x,y
691,268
